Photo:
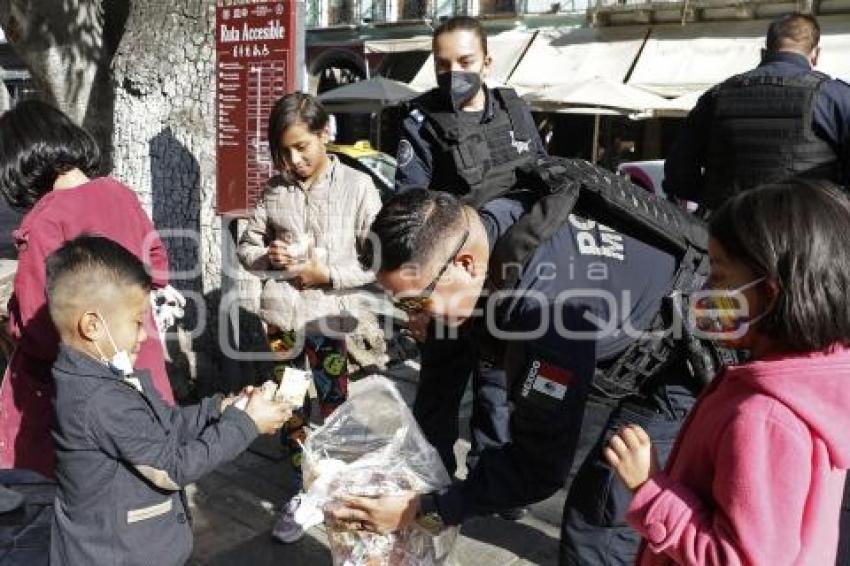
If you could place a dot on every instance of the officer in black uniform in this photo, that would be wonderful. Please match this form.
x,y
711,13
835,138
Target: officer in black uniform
x,y
577,305
468,139
463,137
778,120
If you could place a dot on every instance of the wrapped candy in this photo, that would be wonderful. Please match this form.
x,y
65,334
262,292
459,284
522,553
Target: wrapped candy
x,y
371,446
291,391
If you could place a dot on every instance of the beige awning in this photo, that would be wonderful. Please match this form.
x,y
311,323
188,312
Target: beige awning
x,y
506,49
680,60
577,54
418,43
597,92
680,106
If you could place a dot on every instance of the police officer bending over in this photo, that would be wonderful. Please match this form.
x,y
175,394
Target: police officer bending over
x,y
468,139
779,120
572,309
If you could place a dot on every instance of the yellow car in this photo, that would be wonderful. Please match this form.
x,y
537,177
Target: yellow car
x,y
363,157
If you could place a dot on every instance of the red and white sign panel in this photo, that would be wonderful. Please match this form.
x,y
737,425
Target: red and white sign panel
x,y
255,48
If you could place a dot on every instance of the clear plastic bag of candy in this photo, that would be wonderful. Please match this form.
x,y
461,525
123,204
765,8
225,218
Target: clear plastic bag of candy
x,y
372,446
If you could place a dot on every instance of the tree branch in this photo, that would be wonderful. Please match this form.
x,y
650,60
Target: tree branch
x,y
61,43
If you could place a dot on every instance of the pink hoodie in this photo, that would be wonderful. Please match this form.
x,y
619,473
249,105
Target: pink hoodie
x,y
757,473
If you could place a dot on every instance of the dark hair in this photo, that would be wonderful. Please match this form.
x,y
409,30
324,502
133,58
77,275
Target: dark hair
x,y
799,31
294,108
410,227
99,259
795,233
463,23
37,144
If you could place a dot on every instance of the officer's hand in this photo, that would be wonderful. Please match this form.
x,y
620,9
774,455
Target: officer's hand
x,y
417,324
269,416
375,514
278,257
631,453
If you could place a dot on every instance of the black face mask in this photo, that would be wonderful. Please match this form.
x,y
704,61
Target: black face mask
x,y
458,87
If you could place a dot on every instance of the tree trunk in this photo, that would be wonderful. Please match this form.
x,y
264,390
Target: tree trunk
x,y
140,75
67,47
153,114
164,147
62,45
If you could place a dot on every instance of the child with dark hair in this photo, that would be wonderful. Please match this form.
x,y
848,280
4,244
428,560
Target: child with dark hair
x,y
49,166
757,472
303,239
123,456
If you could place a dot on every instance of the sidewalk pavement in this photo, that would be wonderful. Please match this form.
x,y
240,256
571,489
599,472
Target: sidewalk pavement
x,y
234,509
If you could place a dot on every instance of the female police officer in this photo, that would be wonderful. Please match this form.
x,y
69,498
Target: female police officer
x,y
467,139
463,137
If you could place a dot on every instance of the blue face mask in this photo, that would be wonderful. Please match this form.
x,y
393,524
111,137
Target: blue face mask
x,y
119,363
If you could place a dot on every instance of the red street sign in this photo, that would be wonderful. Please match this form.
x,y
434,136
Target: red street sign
x,y
255,65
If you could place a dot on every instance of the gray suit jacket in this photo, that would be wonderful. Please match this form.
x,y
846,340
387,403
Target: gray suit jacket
x,y
123,459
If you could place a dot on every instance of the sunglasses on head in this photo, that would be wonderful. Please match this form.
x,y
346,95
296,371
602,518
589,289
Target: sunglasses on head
x,y
423,300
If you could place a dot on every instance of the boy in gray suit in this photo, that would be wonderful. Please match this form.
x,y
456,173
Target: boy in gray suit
x,y
123,455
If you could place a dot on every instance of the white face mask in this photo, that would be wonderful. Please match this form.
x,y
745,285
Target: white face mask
x,y
120,361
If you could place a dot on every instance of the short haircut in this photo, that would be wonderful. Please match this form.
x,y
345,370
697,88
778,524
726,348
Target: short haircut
x,y
796,233
82,268
410,227
463,23
294,108
796,31
37,144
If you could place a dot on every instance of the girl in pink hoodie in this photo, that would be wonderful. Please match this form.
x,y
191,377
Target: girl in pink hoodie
x,y
757,473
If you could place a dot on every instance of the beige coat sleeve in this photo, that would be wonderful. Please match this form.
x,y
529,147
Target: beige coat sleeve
x,y
350,274
253,244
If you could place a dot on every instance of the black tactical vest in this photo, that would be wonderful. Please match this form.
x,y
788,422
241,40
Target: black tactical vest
x,y
485,157
762,132
562,186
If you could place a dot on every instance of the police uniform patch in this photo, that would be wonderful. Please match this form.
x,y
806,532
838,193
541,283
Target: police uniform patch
x,y
547,379
405,153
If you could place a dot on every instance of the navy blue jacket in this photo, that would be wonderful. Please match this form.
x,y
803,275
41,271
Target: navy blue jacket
x,y
577,297
110,432
418,167
683,176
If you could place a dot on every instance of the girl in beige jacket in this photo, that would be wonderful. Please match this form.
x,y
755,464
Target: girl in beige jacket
x,y
303,240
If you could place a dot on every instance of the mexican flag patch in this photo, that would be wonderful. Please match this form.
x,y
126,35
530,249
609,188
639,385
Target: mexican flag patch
x,y
547,379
